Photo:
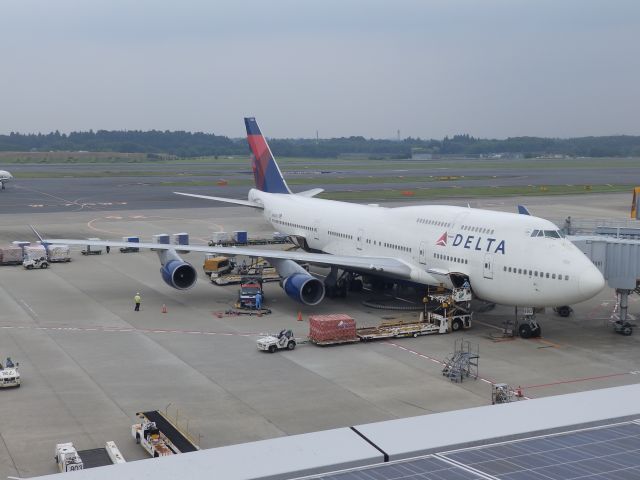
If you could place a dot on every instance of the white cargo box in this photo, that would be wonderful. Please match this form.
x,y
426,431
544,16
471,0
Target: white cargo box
x,y
217,237
35,251
59,253
10,255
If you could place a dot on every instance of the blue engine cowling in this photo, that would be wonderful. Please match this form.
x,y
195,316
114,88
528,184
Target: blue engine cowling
x,y
304,288
179,274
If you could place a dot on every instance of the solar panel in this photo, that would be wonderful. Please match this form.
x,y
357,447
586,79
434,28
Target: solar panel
x,y
427,468
611,452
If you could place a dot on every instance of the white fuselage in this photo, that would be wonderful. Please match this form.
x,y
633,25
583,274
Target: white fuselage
x,y
505,264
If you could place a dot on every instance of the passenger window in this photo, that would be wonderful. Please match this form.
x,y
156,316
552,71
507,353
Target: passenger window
x,y
553,276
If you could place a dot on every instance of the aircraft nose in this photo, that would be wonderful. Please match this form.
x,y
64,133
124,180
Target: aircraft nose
x,y
591,282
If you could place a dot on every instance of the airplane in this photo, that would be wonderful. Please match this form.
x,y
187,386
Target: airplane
x,y
507,258
4,178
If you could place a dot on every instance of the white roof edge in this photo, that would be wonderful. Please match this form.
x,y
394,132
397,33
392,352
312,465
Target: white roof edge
x,y
415,436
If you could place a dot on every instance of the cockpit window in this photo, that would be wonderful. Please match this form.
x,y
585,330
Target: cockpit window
x,y
547,233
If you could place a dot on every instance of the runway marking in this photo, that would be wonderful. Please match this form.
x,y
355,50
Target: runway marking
x,y
124,329
439,362
583,379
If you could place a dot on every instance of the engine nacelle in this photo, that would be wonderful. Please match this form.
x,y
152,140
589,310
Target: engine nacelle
x,y
179,274
304,288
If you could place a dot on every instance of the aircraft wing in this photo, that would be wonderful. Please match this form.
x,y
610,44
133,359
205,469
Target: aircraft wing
x,y
380,265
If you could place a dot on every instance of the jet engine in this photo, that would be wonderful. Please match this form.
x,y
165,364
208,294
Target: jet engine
x,y
304,288
297,283
175,271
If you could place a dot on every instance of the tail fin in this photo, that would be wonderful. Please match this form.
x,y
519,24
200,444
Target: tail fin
x,y
266,172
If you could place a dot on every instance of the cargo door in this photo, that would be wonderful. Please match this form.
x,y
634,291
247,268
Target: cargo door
x,y
423,253
359,238
488,265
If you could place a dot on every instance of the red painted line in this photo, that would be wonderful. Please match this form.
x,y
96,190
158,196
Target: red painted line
x,y
575,380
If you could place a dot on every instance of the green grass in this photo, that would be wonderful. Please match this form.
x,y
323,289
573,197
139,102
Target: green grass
x,y
512,191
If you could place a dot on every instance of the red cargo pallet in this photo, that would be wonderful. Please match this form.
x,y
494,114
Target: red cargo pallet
x,y
332,329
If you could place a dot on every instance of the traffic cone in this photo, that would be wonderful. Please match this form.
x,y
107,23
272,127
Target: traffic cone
x,y
299,316
164,308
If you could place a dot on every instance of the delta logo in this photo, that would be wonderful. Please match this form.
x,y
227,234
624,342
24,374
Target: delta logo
x,y
472,242
442,241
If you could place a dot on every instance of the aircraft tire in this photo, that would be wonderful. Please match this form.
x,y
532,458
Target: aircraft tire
x,y
525,331
291,345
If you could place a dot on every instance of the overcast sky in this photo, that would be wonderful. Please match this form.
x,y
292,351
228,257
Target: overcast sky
x,y
490,68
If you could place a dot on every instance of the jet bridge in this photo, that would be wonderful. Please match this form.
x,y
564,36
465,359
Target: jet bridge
x,y
618,259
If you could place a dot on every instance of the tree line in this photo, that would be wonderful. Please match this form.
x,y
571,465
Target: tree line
x,y
195,144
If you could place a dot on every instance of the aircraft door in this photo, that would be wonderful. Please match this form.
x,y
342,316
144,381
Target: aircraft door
x,y
488,265
316,230
423,253
359,238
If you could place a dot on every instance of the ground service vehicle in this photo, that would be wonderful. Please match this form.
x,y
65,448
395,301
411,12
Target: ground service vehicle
x,y
67,458
215,265
148,435
31,263
271,343
249,289
9,375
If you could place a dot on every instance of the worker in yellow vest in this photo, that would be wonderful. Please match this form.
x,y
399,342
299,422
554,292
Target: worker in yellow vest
x,y
137,299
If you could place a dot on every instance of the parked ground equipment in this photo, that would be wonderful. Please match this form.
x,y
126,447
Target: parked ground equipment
x,y
9,375
250,288
283,341
30,263
92,250
215,265
67,458
159,436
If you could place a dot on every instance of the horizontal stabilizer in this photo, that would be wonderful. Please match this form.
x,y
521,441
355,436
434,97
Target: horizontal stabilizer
x,y
246,203
311,193
522,210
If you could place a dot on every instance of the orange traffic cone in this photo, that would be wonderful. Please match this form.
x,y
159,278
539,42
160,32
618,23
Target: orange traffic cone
x,y
299,316
164,308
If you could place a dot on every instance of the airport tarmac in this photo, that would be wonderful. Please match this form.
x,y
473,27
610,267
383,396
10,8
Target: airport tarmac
x,y
149,185
89,362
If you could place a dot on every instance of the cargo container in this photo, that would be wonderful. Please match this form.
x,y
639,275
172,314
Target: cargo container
x,y
240,236
219,237
181,239
35,251
330,329
92,250
130,240
161,238
11,255
59,253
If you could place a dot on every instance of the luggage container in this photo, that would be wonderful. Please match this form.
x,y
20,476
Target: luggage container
x,y
241,236
130,240
181,239
21,245
162,238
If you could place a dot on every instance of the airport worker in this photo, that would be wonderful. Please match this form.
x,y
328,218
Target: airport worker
x,y
466,284
108,248
258,301
137,299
